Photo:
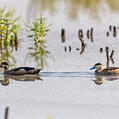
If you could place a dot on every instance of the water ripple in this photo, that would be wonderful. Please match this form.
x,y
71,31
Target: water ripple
x,y
67,74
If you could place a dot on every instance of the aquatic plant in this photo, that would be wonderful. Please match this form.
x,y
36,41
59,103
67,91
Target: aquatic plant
x,y
8,32
38,30
9,28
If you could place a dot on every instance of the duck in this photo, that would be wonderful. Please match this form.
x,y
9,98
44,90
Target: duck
x,y
19,70
107,71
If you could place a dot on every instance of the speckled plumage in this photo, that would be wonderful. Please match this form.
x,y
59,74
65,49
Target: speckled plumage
x,y
106,71
19,70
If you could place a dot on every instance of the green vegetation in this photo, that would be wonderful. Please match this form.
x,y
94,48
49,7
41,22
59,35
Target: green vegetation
x,y
8,33
41,5
38,30
72,6
9,28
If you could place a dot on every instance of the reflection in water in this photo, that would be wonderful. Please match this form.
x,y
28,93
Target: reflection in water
x,y
100,79
71,6
7,78
41,5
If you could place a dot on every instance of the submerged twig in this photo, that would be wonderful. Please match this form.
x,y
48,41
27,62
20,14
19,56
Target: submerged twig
x,y
82,50
83,44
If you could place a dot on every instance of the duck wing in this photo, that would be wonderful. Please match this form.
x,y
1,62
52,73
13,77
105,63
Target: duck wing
x,y
111,70
22,68
22,71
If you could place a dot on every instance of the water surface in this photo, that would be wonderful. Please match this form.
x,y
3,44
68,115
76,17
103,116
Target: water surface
x,y
67,89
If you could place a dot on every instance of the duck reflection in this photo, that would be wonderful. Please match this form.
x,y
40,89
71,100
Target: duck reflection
x,y
6,79
99,79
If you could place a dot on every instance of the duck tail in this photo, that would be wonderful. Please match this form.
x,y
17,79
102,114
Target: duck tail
x,y
38,70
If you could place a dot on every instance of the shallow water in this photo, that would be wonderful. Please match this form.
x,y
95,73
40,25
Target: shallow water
x,y
68,90
61,95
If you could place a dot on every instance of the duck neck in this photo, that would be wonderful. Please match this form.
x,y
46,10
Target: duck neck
x,y
5,68
99,69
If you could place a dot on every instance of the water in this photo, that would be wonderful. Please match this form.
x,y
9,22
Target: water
x,y
68,88
59,93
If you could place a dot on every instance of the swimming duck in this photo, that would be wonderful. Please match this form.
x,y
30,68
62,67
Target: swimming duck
x,y
107,71
19,70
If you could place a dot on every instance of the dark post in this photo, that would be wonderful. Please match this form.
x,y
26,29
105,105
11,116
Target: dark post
x,y
101,50
65,48
110,28
80,33
69,48
63,35
107,55
114,31
6,112
88,31
91,34
107,33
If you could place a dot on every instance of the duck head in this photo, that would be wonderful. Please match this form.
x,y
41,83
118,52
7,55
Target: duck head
x,y
97,66
4,65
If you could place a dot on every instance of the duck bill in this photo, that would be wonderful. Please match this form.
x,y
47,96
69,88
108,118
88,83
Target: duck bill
x,y
92,68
